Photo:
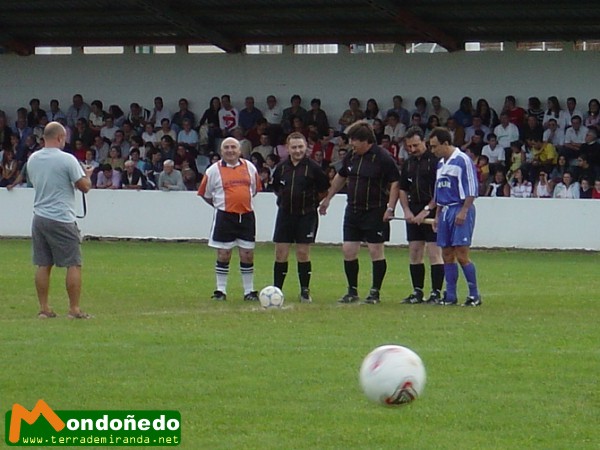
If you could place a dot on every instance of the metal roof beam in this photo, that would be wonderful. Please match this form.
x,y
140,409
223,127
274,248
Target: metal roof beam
x,y
427,31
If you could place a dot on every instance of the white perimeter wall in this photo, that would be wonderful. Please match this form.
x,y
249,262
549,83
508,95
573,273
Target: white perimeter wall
x,y
501,222
122,79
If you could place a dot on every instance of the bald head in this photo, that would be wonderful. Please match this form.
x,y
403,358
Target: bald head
x,y
55,135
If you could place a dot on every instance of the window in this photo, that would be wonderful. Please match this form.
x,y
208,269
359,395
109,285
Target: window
x,y
484,46
264,49
587,46
155,49
53,51
542,46
109,50
372,48
425,47
205,49
315,49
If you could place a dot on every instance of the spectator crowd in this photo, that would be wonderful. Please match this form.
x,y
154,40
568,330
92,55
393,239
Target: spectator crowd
x,y
532,151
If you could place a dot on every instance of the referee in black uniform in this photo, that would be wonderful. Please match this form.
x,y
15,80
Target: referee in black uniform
x,y
416,194
300,184
369,172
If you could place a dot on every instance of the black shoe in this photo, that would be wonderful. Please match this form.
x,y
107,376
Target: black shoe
x,y
350,297
473,301
447,302
434,298
219,296
373,297
414,298
251,296
305,296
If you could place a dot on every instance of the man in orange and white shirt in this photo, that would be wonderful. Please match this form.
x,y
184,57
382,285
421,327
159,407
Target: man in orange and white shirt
x,y
229,186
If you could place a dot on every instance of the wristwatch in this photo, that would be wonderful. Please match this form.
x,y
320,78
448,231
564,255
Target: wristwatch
x,y
427,208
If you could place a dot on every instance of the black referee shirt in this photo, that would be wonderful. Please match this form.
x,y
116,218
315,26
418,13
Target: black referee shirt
x,y
298,187
418,178
369,177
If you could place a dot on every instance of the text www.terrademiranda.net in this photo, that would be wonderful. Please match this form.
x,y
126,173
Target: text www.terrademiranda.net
x,y
100,440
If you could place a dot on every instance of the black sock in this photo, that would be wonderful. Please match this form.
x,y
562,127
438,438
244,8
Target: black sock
x,y
304,272
351,269
437,277
379,269
417,275
279,272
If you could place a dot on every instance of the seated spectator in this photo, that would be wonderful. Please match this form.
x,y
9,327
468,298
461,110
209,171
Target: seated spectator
x,y
534,108
543,187
271,162
555,112
154,168
115,160
264,149
591,148
553,134
90,159
506,132
517,157
183,113
515,113
544,156
258,160
132,177
55,112
531,130
350,115
10,168
249,115
182,155
121,142
489,116
79,150
254,134
315,115
571,109
464,115
295,110
138,144
475,146
82,132
494,152
108,178
141,164
520,187
97,116
214,158
372,111
318,158
273,112
36,113
585,190
432,122
159,112
442,113
21,131
149,135
483,173
190,176
421,109
228,116
378,130
167,148
38,130
457,132
245,144
476,125
165,130
584,169
170,179
567,188
109,129
559,170
138,117
596,191
128,130
416,121
117,114
574,137
498,186
592,116
101,148
188,136
394,128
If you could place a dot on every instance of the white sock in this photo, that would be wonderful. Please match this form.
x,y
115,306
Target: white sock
x,y
247,271
222,271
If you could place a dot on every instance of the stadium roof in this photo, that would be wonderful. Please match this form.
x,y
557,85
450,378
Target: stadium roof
x,y
231,24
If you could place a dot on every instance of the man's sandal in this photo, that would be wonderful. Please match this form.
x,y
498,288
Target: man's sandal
x,y
46,315
79,315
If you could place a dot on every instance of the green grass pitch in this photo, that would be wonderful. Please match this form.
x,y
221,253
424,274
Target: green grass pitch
x,y
520,372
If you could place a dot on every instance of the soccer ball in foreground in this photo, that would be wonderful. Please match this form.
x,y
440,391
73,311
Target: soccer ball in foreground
x,y
271,297
392,375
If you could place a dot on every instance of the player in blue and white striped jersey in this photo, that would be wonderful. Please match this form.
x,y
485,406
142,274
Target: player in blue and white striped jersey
x,y
456,188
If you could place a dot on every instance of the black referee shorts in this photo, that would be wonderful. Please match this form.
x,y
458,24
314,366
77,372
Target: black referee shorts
x,y
366,226
421,232
295,228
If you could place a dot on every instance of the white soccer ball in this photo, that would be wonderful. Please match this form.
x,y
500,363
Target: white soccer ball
x,y
392,375
271,297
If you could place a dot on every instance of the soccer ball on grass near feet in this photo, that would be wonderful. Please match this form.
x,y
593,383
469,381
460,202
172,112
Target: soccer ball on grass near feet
x,y
271,297
392,375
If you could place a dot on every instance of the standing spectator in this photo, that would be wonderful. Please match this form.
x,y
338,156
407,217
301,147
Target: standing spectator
x,y
368,171
228,116
55,237
183,113
273,112
229,187
210,119
557,113
456,190
159,112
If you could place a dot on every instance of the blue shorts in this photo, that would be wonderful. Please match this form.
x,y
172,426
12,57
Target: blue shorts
x,y
451,235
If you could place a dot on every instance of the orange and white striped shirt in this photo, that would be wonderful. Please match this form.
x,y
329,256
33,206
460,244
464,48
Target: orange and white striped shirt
x,y
231,188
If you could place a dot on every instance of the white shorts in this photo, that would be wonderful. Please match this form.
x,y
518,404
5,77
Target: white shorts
x,y
229,245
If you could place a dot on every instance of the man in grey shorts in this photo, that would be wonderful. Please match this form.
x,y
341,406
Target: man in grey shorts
x,y
54,175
